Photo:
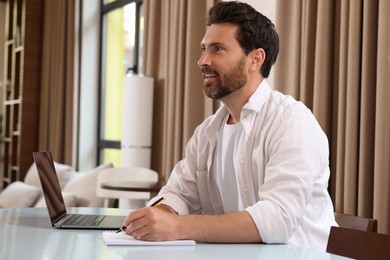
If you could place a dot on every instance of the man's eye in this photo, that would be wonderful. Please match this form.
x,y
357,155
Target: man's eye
x,y
217,49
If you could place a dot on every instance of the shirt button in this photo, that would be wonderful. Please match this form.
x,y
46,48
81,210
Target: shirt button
x,y
245,190
242,161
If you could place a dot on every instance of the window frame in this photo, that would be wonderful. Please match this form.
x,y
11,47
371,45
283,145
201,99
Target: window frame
x,y
106,8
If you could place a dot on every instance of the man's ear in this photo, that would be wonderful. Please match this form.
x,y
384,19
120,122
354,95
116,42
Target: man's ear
x,y
257,59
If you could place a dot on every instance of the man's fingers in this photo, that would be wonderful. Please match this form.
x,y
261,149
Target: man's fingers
x,y
133,216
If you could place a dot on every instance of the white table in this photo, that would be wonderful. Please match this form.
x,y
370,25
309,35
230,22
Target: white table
x,y
26,233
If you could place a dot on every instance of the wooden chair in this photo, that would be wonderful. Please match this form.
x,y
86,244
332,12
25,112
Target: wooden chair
x,y
356,223
358,244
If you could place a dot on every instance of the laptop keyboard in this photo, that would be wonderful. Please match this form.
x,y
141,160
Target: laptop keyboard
x,y
83,220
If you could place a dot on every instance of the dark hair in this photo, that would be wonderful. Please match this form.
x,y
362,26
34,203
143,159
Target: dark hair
x,y
255,30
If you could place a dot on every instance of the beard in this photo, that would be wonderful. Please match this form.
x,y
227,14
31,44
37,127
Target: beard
x,y
230,82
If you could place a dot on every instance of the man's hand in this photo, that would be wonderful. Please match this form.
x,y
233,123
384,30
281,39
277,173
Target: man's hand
x,y
153,224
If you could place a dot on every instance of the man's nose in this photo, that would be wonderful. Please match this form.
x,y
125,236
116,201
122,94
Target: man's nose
x,y
204,60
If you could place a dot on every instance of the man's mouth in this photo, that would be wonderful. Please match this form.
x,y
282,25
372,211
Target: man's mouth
x,y
209,76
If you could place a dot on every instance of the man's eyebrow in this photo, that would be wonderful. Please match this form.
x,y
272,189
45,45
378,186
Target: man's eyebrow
x,y
202,45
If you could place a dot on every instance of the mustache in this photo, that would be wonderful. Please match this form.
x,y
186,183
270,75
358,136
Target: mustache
x,y
209,70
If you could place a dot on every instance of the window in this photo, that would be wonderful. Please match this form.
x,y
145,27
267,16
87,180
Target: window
x,y
121,34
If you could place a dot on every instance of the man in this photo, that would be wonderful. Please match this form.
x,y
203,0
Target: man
x,y
257,170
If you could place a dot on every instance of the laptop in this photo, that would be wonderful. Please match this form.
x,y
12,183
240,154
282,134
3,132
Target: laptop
x,y
56,205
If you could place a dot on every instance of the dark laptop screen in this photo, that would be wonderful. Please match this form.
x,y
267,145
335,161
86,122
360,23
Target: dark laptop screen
x,y
50,185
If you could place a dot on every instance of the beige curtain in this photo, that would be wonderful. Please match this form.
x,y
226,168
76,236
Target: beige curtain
x,y
56,110
335,57
173,31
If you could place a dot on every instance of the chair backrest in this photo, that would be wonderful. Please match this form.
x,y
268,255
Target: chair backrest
x,y
123,174
358,244
356,223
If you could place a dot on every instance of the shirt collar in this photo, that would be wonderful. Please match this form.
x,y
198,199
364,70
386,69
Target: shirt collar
x,y
259,97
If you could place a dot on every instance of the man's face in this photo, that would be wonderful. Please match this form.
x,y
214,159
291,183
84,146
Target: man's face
x,y
223,61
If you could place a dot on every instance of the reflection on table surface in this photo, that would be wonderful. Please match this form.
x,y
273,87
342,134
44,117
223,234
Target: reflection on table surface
x,y
27,234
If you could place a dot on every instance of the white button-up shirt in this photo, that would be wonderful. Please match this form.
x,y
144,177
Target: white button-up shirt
x,y
283,171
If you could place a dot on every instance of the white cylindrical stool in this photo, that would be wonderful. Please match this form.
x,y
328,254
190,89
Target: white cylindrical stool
x,y
136,144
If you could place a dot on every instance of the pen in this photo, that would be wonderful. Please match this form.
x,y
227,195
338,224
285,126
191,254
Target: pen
x,y
154,204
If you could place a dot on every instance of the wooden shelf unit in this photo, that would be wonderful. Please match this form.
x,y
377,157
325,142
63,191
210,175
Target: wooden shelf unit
x,y
21,87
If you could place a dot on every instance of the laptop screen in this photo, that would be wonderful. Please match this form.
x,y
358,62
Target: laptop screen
x,y
50,185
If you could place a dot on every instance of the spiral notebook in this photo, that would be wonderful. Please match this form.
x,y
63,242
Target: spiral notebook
x,y
111,238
